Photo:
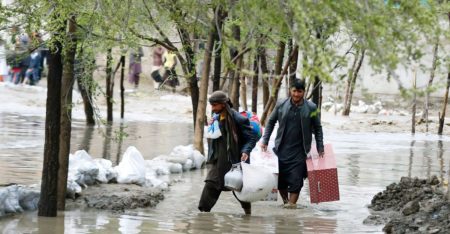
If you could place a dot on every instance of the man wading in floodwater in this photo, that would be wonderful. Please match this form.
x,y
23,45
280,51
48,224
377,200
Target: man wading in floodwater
x,y
233,146
298,119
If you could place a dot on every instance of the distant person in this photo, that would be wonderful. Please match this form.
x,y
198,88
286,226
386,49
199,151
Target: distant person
x,y
297,119
135,67
157,65
234,146
32,75
170,61
18,63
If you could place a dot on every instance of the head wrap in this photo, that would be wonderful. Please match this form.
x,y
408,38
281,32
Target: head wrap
x,y
218,97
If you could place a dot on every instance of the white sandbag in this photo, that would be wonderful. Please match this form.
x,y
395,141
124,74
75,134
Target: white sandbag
x,y
28,198
198,159
11,203
161,167
188,165
183,151
257,183
132,167
176,168
105,170
3,196
181,159
83,168
152,181
73,189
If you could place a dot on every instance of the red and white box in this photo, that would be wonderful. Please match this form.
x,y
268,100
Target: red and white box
x,y
322,176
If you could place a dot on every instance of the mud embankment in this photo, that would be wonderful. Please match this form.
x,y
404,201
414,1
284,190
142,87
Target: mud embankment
x,y
412,206
116,197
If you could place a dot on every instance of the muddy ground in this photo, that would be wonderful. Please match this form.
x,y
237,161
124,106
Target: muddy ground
x,y
116,197
412,206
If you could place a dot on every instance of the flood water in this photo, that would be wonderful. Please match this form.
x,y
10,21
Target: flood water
x,y
367,162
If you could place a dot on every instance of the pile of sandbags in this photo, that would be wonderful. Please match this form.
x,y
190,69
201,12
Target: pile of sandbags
x,y
85,171
186,156
16,199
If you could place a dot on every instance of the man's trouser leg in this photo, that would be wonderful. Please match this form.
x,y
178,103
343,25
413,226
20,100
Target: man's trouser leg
x,y
209,197
247,206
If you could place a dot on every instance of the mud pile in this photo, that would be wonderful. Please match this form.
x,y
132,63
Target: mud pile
x,y
412,206
116,197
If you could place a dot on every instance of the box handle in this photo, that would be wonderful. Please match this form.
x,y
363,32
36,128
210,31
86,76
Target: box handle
x,y
318,186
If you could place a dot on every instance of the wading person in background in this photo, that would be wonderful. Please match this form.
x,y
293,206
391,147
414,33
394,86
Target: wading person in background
x,y
135,67
297,119
169,63
233,146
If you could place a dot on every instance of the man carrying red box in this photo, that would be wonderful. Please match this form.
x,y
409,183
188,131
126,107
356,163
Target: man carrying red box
x,y
297,120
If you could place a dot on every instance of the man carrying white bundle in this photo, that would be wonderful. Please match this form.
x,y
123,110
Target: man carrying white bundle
x,y
234,145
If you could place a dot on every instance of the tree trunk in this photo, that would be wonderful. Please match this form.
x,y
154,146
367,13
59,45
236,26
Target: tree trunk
x,y
235,81
109,86
276,87
66,112
48,198
84,73
413,117
354,75
243,92
349,84
218,50
201,110
279,61
122,87
292,66
444,107
255,85
217,66
317,91
192,73
265,73
430,83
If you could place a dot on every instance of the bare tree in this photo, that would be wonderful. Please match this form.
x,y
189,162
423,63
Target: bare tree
x,y
430,83
275,89
255,85
351,82
109,86
444,106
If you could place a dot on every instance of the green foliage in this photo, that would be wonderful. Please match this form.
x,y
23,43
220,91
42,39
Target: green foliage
x,y
392,33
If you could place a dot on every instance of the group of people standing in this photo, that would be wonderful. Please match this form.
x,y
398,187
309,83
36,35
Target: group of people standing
x,y
162,71
25,63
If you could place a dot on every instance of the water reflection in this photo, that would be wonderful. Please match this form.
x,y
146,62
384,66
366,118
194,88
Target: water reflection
x,y
22,141
85,141
440,155
106,154
411,157
120,142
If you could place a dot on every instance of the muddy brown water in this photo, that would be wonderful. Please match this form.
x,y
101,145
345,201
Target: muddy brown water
x,y
367,162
